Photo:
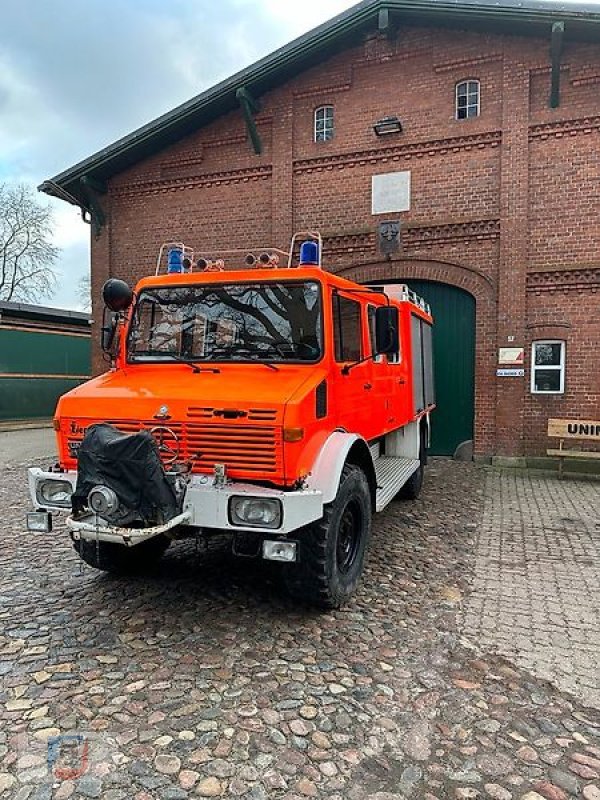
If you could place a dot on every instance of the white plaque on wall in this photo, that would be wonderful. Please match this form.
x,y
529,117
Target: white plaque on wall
x,y
390,192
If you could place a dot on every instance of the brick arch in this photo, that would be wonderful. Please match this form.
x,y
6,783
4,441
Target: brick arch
x,y
463,277
484,291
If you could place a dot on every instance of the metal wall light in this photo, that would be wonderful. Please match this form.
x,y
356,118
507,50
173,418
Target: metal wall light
x,y
387,125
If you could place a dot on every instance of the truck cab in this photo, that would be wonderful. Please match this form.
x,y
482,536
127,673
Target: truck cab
x,y
283,405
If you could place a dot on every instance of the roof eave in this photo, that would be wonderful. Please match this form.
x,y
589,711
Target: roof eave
x,y
317,43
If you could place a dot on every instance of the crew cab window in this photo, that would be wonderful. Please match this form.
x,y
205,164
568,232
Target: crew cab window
x,y
236,322
346,329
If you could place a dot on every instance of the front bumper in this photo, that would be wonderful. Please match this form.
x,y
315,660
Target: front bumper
x,y
205,505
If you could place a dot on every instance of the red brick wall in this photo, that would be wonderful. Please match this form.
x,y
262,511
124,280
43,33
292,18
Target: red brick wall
x,y
505,206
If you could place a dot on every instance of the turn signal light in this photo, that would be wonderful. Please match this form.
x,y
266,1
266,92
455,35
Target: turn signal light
x,y
56,423
293,434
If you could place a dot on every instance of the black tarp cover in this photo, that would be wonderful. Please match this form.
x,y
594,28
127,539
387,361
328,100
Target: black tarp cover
x,y
130,465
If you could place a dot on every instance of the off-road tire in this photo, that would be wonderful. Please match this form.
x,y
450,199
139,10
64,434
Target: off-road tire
x,y
119,559
332,550
412,487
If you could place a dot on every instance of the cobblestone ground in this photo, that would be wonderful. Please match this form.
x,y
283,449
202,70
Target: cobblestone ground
x,y
535,595
203,680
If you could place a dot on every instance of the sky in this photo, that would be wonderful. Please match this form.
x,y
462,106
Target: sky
x,y
75,76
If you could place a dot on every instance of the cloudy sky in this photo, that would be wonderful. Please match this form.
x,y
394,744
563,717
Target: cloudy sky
x,y
75,76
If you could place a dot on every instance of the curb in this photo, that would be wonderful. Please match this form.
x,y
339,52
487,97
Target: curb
x,y
24,425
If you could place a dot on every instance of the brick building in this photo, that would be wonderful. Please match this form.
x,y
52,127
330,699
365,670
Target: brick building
x,y
486,119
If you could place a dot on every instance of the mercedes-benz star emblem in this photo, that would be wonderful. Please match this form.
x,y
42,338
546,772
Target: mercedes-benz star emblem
x,y
162,413
168,443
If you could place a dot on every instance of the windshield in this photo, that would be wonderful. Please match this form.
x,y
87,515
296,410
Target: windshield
x,y
236,322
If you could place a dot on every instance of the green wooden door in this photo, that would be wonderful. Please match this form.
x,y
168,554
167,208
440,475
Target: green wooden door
x,y
454,363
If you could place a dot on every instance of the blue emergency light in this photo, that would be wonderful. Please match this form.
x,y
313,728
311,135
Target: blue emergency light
x,y
174,260
309,254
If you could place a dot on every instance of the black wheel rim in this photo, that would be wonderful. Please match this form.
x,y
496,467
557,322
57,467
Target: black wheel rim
x,y
349,536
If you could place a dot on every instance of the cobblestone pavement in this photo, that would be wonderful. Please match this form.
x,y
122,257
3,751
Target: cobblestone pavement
x,y
535,596
203,680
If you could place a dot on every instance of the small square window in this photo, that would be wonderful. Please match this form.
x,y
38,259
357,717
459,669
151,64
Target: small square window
x,y
548,367
323,124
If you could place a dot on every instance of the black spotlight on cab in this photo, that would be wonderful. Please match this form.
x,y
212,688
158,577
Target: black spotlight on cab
x,y
264,258
202,263
250,259
117,294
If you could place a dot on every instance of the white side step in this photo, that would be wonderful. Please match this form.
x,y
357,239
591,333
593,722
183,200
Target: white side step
x,y
392,473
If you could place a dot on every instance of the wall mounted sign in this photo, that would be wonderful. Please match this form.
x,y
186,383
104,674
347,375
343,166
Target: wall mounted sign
x,y
574,429
390,192
389,236
510,372
511,355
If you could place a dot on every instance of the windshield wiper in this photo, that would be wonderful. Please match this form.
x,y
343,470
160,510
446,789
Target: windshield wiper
x,y
192,363
254,355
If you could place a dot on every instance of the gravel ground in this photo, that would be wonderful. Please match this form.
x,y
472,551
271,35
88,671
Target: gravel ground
x,y
204,680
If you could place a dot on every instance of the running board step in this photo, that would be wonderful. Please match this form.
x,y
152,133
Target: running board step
x,y
392,474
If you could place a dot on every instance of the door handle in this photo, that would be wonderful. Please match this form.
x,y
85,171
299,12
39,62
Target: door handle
x,y
401,380
368,386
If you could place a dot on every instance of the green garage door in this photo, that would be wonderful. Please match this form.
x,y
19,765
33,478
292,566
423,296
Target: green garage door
x,y
454,363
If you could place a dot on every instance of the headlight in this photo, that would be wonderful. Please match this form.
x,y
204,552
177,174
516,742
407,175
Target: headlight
x,y
255,512
54,493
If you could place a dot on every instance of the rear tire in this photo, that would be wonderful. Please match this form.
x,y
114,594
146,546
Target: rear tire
x,y
119,559
412,487
332,550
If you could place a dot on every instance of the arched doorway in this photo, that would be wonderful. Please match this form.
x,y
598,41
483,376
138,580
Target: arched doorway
x,y
453,310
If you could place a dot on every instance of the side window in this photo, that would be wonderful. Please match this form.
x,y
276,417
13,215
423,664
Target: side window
x,y
323,130
346,329
548,367
468,100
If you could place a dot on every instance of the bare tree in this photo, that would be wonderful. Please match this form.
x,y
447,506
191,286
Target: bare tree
x,y
27,254
84,293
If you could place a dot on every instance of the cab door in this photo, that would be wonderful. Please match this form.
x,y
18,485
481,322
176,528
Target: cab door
x,y
353,381
384,413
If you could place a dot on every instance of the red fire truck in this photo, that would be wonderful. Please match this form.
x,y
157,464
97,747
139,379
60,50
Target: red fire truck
x,y
275,401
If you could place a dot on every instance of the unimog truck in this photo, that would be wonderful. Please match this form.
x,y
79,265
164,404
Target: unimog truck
x,y
278,402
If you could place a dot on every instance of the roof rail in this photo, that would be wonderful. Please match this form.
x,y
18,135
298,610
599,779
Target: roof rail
x,y
401,292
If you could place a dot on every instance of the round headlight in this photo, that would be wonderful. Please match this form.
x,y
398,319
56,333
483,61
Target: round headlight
x,y
103,500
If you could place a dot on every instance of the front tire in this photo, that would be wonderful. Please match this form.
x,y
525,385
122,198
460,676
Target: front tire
x,y
119,559
333,549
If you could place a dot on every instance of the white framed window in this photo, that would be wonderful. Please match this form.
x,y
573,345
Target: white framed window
x,y
323,124
548,367
468,99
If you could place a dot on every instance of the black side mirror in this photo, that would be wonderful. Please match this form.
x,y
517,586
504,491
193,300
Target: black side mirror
x,y
117,294
387,330
108,338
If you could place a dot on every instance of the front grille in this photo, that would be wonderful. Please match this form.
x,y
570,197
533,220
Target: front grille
x,y
245,449
250,414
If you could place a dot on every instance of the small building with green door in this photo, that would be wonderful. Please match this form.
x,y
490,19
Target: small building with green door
x,y
44,352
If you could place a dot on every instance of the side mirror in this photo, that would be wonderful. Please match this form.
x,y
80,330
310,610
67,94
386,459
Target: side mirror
x,y
387,330
117,295
108,337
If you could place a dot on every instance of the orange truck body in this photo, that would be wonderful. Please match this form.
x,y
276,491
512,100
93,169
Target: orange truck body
x,y
287,436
